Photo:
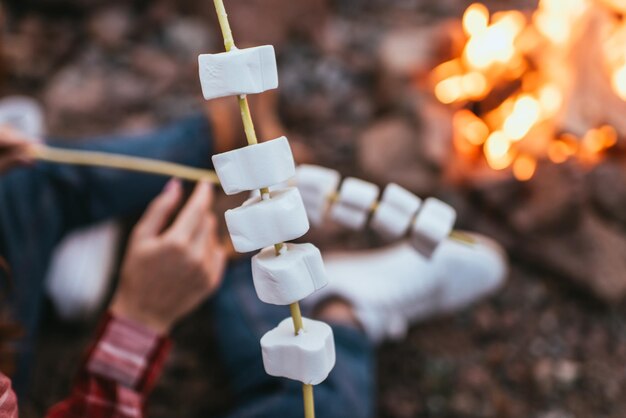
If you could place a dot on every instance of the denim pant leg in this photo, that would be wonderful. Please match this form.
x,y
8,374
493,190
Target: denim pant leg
x,y
242,319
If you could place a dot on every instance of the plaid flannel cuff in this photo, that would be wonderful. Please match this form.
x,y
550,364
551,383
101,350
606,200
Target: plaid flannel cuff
x,y
127,353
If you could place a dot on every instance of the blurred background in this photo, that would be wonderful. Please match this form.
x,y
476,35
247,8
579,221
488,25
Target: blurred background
x,y
512,111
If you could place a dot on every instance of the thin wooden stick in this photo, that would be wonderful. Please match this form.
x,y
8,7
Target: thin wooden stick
x,y
122,162
248,125
309,405
462,237
246,117
222,17
296,316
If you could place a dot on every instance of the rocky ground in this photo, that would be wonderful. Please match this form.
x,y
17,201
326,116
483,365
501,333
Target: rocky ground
x,y
552,344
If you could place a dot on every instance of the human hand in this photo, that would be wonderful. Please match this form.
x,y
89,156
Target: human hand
x,y
14,149
168,272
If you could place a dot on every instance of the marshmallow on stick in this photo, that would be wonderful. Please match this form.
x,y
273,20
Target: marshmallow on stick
x,y
261,221
354,203
395,211
296,274
238,71
301,354
255,167
433,224
309,357
317,185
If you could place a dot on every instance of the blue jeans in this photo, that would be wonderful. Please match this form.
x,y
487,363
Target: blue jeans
x,y
242,319
40,205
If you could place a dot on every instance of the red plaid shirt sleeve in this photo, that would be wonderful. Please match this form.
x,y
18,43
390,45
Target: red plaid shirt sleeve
x,y
8,402
118,374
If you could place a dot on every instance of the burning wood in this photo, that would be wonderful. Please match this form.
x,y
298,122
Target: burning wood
x,y
542,85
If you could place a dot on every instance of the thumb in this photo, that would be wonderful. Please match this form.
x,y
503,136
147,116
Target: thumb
x,y
160,211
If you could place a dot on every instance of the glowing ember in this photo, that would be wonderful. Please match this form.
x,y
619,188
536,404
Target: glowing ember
x,y
494,44
471,127
524,116
475,19
498,151
619,82
524,167
550,99
506,52
559,151
555,18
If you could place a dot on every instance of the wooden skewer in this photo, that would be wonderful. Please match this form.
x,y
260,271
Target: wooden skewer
x,y
146,165
462,237
296,316
122,162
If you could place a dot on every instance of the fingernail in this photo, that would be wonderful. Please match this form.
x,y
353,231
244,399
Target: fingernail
x,y
204,185
171,185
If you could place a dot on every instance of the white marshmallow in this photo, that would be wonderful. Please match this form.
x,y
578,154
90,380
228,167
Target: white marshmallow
x,y
289,277
316,184
395,211
255,166
239,71
260,223
307,357
354,203
432,225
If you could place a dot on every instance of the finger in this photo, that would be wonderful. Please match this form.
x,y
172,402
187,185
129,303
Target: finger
x,y
10,138
218,259
212,241
160,210
192,214
212,229
201,239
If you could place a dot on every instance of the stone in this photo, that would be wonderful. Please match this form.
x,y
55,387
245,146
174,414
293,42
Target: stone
x,y
607,187
189,37
282,19
110,27
553,200
388,151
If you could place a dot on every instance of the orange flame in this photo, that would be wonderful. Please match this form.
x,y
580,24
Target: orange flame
x,y
561,150
495,44
555,19
524,167
499,50
618,80
469,130
475,19
497,150
525,115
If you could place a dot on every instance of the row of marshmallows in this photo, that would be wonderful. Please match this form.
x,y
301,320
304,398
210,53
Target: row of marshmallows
x,y
297,271
398,213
